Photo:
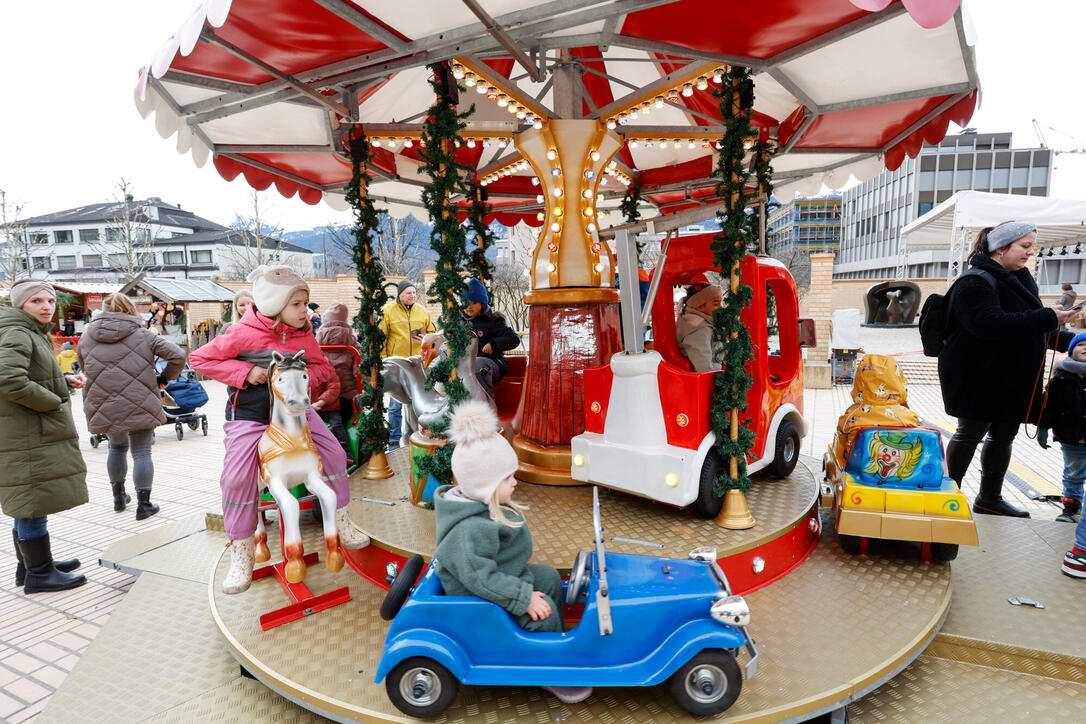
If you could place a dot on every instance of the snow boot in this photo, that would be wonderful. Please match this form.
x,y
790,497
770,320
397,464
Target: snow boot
x,y
145,508
240,575
350,537
120,498
41,574
67,565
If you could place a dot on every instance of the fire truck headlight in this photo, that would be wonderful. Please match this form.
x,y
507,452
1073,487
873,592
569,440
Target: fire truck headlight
x,y
578,460
672,480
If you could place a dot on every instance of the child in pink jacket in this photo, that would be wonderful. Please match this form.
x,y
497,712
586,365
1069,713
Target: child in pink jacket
x,y
278,319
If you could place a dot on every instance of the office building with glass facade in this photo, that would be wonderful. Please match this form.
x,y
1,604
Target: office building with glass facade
x,y
805,223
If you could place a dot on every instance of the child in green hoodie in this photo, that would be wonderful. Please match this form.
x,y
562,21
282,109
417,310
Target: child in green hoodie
x,y
483,545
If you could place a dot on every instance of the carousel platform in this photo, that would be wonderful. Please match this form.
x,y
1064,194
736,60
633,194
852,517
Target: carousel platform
x,y
885,638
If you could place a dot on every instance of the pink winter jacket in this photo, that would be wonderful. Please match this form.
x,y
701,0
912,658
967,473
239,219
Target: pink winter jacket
x,y
229,357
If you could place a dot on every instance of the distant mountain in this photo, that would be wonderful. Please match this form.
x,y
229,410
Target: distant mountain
x,y
321,240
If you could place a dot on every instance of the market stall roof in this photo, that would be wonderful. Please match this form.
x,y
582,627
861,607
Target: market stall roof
x,y
268,88
1058,221
81,288
175,291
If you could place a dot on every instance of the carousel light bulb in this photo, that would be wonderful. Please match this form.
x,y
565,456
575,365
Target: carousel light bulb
x,y
458,71
539,198
673,96
587,212
376,142
503,100
391,142
481,88
538,124
471,143
595,155
633,144
483,182
551,154
556,227
556,172
486,143
718,76
521,113
558,192
557,210
535,181
551,268
648,144
703,82
591,228
690,144
589,173
408,143
469,80
688,89
611,123
539,216
587,193
598,267
512,108
502,143
677,144
603,181
659,100
491,93
645,108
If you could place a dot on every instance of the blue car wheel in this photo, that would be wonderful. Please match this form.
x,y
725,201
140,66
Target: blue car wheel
x,y
421,687
708,684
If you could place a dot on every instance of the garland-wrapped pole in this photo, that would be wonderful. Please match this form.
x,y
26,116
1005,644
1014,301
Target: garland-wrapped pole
x,y
373,432
440,138
729,248
478,265
629,209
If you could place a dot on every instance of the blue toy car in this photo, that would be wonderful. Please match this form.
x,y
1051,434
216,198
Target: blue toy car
x,y
646,620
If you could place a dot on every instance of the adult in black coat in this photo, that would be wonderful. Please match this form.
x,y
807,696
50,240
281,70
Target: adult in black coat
x,y
495,336
991,368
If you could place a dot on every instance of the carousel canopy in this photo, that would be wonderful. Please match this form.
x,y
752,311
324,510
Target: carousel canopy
x,y
268,88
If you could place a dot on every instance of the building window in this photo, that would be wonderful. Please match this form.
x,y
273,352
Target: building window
x,y
39,237
114,233
1038,176
923,208
202,256
88,235
64,236
173,257
983,179
42,262
145,259
66,262
118,261
92,260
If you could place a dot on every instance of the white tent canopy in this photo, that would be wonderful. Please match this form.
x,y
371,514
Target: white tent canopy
x,y
958,219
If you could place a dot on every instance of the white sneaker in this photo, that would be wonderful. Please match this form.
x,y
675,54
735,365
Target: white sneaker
x,y
240,575
350,537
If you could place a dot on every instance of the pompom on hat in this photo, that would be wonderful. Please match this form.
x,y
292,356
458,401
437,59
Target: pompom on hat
x,y
482,458
273,286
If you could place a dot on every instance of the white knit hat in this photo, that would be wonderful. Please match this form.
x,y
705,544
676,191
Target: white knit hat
x,y
482,458
272,287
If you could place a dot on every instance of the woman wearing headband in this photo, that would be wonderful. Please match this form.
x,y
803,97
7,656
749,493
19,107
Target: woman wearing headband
x,y
991,369
694,327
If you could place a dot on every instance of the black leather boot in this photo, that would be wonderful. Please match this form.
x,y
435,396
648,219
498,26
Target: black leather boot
x,y
144,508
20,569
120,498
990,500
41,574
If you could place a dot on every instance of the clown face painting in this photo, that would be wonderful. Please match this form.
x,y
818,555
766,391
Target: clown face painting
x,y
893,454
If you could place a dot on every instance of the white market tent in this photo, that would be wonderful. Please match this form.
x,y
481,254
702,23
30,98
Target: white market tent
x,y
958,220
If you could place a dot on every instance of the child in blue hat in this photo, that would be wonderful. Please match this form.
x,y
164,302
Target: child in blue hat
x,y
495,336
1065,415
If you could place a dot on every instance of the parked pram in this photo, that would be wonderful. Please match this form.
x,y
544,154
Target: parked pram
x,y
180,401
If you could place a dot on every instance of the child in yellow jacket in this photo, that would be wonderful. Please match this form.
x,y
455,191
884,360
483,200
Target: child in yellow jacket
x,y
66,358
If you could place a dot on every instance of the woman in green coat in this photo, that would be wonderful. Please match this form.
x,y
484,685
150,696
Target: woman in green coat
x,y
41,468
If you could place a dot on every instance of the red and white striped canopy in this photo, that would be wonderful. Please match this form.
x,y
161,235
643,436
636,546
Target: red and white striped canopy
x,y
267,88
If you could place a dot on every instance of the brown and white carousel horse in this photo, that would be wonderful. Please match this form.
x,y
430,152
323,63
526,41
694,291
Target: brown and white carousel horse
x,y
288,457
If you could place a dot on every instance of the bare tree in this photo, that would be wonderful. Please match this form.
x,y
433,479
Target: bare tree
x,y
507,290
128,246
260,242
15,259
400,245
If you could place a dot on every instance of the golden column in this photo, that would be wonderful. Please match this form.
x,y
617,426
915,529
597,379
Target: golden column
x,y
574,315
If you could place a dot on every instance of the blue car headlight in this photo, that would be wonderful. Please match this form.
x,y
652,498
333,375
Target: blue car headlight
x,y
731,610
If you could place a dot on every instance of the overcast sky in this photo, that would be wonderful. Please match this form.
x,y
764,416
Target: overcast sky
x,y
69,129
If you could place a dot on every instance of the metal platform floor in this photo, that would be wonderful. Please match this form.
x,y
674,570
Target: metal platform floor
x,y
161,656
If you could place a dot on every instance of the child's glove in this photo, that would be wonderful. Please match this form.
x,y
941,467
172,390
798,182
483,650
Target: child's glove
x,y
1042,437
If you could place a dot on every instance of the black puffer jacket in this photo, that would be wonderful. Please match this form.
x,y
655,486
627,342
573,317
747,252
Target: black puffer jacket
x,y
1065,410
490,327
989,368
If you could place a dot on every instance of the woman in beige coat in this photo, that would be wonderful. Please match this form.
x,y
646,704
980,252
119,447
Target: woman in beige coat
x,y
122,398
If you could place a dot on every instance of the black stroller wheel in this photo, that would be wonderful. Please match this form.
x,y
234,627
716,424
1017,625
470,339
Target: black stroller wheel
x,y
180,430
203,425
193,424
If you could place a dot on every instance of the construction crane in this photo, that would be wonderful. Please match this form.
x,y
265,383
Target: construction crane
x,y
1056,151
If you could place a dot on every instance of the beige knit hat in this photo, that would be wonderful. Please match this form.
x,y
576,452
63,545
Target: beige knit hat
x,y
24,289
482,458
272,287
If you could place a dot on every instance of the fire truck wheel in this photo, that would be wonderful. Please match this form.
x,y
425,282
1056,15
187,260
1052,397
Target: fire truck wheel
x,y
787,455
707,504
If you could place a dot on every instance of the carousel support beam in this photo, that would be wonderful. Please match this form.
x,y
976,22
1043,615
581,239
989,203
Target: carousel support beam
x,y
932,92
968,52
156,84
585,95
194,117
656,46
837,34
660,85
806,124
210,37
794,88
498,163
608,32
609,77
504,85
199,81
567,89
504,40
371,27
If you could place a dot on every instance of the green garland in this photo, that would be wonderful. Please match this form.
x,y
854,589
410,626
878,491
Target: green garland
x,y
629,208
373,430
729,247
478,265
440,137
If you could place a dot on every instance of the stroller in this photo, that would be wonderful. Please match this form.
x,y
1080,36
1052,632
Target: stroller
x,y
180,401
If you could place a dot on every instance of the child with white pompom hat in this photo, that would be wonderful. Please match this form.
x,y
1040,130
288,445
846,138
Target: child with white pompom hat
x,y
483,545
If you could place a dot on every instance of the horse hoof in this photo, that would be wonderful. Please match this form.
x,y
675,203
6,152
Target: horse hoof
x,y
295,571
334,561
261,552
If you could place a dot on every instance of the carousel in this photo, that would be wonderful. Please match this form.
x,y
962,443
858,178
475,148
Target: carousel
x,y
649,483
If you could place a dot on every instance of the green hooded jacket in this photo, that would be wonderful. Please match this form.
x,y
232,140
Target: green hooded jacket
x,y
41,468
481,557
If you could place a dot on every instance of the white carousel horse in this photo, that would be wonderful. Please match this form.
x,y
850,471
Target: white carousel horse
x,y
405,381
288,456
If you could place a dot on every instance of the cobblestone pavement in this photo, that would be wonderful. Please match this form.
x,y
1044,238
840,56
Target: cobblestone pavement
x,y
42,636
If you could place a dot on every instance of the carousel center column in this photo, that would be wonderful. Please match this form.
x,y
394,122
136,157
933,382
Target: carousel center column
x,y
574,313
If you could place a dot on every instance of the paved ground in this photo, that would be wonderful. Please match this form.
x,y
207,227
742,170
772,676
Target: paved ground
x,y
42,636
